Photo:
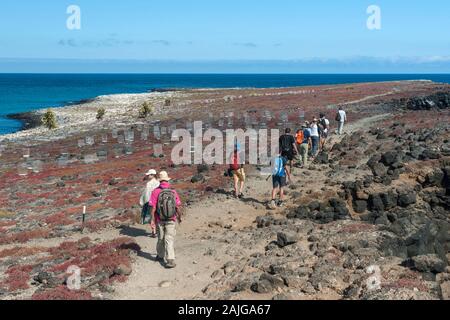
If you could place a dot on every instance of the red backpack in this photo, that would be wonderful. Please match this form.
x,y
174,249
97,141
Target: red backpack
x,y
235,164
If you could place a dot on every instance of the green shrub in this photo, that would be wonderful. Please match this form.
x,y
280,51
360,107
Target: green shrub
x,y
100,113
49,120
145,110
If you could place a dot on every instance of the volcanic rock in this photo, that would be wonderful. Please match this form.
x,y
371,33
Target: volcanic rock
x,y
428,263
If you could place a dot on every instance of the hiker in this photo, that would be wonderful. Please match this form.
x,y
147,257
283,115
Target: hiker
x,y
281,175
324,127
288,147
304,141
299,137
341,118
152,184
166,212
237,171
315,138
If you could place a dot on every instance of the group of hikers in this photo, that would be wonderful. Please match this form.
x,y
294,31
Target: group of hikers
x,y
161,204
307,143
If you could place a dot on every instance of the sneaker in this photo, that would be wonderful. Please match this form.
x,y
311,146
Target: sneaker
x,y
241,196
280,204
272,204
170,264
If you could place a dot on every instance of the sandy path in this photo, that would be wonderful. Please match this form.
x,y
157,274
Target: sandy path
x,y
198,254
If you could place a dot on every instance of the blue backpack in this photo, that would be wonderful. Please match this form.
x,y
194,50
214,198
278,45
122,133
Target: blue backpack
x,y
278,167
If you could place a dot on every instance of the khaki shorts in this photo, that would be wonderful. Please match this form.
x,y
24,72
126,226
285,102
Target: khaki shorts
x,y
240,174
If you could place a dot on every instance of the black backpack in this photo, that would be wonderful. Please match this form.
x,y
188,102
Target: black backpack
x,y
166,206
286,143
323,123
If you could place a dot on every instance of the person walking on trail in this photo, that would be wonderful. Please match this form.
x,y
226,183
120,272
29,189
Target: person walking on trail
x,y
281,175
166,212
288,146
304,136
151,185
315,138
341,118
237,171
324,129
299,137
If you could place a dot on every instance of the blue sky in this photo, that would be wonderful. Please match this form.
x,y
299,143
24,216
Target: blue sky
x,y
413,37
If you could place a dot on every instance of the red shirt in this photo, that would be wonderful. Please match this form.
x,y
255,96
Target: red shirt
x,y
155,195
235,161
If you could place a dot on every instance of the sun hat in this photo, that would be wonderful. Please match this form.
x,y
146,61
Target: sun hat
x,y
151,172
164,176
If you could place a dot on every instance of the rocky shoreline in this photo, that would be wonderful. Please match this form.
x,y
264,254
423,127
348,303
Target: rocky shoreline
x,y
29,120
376,203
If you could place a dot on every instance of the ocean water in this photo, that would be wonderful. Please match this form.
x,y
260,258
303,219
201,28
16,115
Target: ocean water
x,y
27,92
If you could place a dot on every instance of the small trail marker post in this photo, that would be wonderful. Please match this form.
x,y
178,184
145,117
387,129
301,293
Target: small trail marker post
x,y
83,219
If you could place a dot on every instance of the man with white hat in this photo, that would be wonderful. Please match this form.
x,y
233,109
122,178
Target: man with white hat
x,y
166,204
152,184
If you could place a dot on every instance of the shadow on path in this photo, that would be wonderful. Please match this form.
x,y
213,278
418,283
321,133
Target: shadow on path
x,y
134,232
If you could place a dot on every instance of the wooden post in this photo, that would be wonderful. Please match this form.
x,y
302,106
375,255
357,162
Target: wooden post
x,y
84,218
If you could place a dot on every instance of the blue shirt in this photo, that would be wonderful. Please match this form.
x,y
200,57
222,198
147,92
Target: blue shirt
x,y
307,135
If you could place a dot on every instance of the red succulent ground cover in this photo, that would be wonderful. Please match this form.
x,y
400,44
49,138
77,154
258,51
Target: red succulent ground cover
x,y
24,236
18,278
62,293
92,258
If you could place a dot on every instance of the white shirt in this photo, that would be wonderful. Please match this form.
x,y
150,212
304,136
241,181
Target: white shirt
x,y
327,123
147,192
343,115
314,130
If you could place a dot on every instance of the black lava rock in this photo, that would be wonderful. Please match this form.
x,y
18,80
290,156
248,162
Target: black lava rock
x,y
376,203
406,199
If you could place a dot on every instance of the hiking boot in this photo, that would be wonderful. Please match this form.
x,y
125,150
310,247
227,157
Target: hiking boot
x,y
170,264
272,205
280,204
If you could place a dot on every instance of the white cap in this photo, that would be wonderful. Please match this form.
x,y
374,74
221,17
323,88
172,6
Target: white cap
x,y
151,172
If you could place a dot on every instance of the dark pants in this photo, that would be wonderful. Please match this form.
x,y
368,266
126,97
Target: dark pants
x,y
146,216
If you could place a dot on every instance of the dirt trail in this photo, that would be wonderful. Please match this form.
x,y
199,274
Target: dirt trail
x,y
198,255
369,98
